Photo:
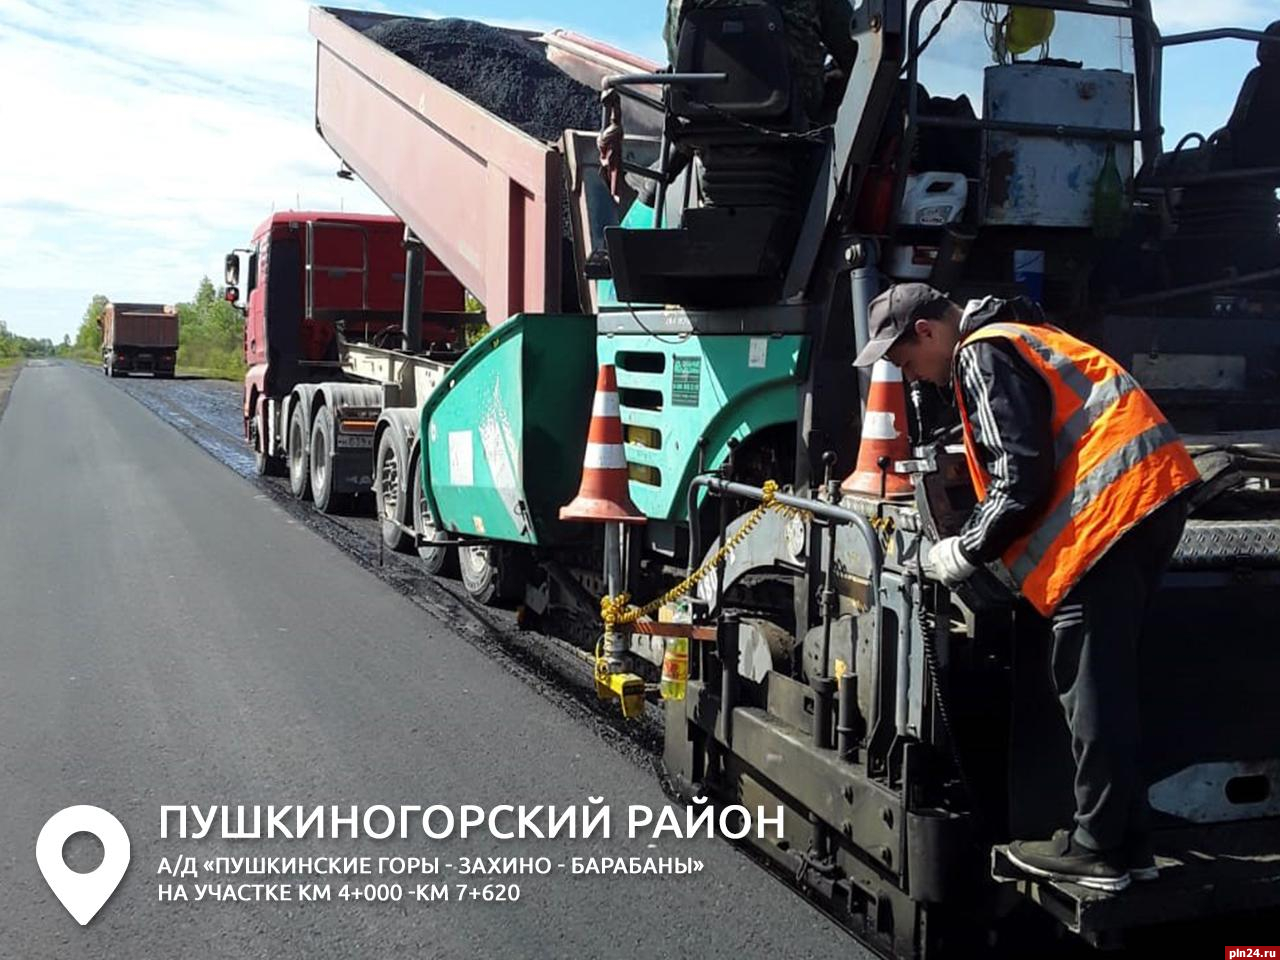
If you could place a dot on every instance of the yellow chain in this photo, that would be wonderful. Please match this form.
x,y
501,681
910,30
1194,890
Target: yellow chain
x,y
617,611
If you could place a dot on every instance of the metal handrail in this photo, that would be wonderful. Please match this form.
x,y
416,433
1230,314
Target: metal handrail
x,y
832,513
620,83
1016,126
1196,36
1217,33
1148,56
1149,113
662,79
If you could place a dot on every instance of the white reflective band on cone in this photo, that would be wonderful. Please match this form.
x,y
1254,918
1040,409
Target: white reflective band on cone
x,y
605,456
879,426
605,405
885,372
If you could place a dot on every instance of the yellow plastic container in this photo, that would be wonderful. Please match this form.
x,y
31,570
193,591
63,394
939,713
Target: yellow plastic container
x,y
675,668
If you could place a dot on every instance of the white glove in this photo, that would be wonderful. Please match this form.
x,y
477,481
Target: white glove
x,y
948,563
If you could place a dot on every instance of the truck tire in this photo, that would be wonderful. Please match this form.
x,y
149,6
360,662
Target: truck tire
x,y
323,435
268,466
299,462
439,561
479,573
389,498
491,574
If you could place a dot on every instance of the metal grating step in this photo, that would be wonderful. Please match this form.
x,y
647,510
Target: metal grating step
x,y
1227,543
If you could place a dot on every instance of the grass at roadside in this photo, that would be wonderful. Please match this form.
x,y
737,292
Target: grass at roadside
x,y
211,351
10,361
234,375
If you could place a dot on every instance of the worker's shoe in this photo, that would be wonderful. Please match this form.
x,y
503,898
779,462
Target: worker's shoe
x,y
1141,861
1061,858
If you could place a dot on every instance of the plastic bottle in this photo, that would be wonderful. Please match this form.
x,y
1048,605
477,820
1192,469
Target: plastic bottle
x,y
1108,198
675,668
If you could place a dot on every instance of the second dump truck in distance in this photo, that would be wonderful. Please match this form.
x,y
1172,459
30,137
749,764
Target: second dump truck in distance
x,y
139,338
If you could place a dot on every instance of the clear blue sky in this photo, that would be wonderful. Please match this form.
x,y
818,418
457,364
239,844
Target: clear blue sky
x,y
632,26
214,98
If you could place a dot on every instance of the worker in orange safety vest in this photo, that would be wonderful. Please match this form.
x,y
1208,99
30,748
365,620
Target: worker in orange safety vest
x,y
1080,482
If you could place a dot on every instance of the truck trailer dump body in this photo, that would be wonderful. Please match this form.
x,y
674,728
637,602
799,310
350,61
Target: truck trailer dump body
x,y
484,196
139,337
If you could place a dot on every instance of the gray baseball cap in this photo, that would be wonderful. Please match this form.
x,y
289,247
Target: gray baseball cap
x,y
892,314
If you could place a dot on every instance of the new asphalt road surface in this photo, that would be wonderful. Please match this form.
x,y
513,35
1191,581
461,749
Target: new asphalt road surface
x,y
172,636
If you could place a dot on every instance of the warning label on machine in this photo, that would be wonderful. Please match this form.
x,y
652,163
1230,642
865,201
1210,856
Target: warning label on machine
x,y
686,381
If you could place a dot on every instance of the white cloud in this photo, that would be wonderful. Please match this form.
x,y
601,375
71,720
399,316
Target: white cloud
x,y
153,136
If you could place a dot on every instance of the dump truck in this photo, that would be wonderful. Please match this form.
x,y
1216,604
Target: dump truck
x,y
325,319
907,730
139,338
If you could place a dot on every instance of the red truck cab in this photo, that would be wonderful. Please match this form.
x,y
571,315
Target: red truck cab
x,y
312,276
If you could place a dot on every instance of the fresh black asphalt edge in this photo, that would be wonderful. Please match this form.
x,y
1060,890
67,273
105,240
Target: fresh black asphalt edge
x,y
552,667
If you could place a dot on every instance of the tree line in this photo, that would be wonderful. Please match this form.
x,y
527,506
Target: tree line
x,y
13,346
210,333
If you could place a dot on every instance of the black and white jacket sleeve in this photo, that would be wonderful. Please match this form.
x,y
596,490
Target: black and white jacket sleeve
x,y
1009,406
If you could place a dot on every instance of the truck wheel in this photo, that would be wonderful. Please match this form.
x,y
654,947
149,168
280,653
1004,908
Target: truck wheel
x,y
322,447
492,574
389,500
299,463
439,561
268,466
479,573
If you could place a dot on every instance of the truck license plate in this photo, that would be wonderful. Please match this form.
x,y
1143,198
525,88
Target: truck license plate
x,y
355,442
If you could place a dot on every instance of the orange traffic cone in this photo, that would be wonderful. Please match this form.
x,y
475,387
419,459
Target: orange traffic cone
x,y
603,495
884,435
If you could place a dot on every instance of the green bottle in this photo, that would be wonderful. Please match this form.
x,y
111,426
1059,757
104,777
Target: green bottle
x,y
1109,201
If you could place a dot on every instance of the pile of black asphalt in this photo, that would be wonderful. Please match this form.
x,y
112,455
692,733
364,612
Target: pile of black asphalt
x,y
500,71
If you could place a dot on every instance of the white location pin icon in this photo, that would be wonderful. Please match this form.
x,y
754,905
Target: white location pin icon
x,y
83,894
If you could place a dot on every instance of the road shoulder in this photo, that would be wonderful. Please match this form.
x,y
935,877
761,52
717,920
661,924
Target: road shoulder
x,y
8,374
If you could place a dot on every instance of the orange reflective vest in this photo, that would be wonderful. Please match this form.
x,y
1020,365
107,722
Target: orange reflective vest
x,y
1116,460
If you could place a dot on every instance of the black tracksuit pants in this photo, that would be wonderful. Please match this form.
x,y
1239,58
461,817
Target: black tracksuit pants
x,y
1097,631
